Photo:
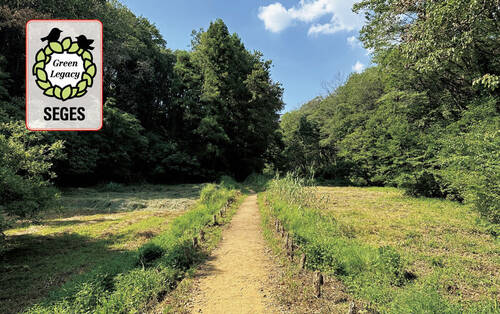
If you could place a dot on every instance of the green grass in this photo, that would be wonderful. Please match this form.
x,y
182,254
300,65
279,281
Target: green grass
x,y
138,280
92,227
401,254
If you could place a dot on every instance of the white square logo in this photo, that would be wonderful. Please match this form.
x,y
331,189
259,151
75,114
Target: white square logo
x,y
64,75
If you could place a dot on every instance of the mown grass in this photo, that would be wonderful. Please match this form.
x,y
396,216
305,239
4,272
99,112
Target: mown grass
x,y
91,227
137,281
401,254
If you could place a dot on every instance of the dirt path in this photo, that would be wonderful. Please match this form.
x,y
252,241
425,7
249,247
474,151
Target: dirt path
x,y
234,279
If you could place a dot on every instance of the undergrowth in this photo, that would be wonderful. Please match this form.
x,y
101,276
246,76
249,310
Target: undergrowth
x,y
137,282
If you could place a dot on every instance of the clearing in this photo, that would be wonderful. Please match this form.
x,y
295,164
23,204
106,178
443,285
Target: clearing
x,y
444,242
93,226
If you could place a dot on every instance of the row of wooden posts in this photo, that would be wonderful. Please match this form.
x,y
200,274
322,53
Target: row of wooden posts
x,y
291,247
221,214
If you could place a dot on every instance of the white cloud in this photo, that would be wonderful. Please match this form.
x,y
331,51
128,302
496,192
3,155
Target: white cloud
x,y
277,18
358,67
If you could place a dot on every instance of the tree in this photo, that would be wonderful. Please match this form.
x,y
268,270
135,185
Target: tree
x,y
237,110
447,45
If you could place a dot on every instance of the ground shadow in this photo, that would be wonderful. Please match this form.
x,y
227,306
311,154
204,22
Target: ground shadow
x,y
34,265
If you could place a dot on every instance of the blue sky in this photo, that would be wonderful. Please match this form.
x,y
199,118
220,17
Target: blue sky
x,y
309,41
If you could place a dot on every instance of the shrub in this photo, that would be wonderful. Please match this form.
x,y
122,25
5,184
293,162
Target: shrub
x,y
148,253
420,183
25,171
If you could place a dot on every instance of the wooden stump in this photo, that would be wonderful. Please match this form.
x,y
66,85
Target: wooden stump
x,y
291,249
352,308
318,282
303,261
202,235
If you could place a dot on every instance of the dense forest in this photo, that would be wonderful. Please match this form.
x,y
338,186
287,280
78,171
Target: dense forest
x,y
169,116
426,117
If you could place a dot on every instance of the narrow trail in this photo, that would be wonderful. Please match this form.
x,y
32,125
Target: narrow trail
x,y
234,279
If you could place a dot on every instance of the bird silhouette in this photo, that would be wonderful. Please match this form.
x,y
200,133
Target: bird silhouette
x,y
84,43
53,35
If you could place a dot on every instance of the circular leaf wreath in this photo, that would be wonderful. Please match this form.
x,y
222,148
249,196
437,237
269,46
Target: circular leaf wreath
x,y
43,57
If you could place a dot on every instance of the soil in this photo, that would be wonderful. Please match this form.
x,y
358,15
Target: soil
x,y
234,279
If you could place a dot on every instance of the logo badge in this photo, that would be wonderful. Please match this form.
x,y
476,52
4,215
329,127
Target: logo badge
x,y
64,75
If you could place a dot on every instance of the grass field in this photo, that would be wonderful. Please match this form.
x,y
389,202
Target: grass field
x,y
91,227
393,253
443,242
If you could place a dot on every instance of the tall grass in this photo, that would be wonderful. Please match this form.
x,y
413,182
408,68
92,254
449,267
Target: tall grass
x,y
375,274
138,281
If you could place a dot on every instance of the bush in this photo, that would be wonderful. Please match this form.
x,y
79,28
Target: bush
x,y
25,171
420,183
148,253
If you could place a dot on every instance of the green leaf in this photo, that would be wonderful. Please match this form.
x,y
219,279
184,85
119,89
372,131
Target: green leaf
x,y
87,55
49,92
55,46
80,52
87,77
91,70
74,48
66,43
87,64
82,85
38,65
43,85
57,92
80,94
48,51
74,90
41,74
40,56
66,92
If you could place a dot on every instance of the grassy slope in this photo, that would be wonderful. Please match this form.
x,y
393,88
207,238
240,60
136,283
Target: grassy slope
x,y
379,239
91,228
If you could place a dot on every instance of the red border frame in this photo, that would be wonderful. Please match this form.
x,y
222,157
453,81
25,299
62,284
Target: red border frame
x,y
102,70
